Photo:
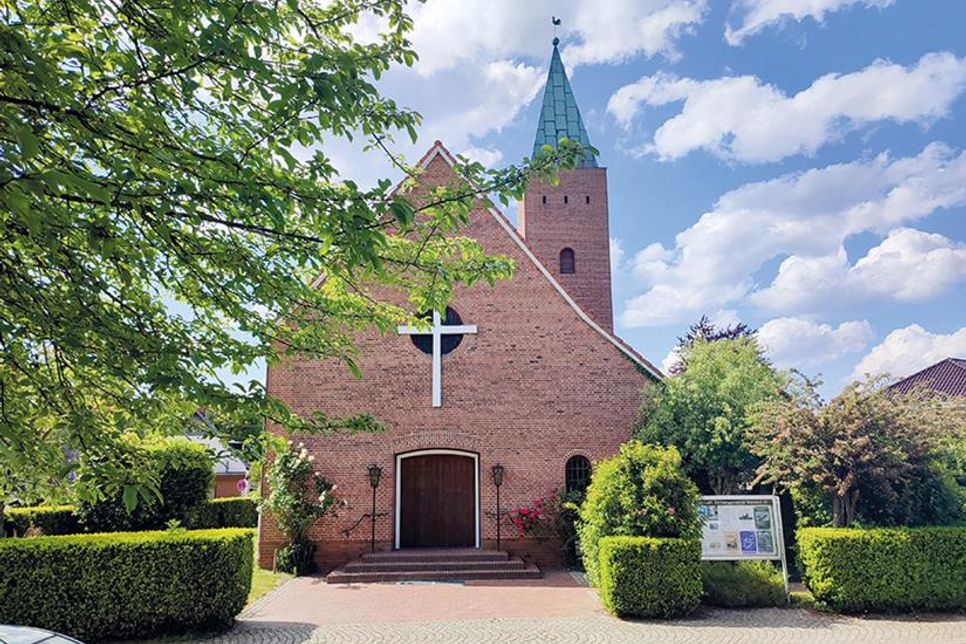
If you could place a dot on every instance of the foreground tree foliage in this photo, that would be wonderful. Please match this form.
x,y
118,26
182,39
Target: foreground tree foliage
x,y
166,195
865,446
705,411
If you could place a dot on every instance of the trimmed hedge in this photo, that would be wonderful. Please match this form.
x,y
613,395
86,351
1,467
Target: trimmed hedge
x,y
233,512
642,491
48,519
743,584
648,577
126,585
888,569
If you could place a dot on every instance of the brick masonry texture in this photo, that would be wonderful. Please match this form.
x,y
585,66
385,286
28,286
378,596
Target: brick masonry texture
x,y
533,387
573,214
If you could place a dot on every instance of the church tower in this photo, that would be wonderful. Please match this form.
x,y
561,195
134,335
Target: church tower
x,y
566,225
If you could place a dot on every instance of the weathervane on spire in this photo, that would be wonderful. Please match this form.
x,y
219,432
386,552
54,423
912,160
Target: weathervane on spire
x,y
556,23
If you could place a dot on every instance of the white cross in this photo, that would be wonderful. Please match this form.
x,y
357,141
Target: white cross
x,y
438,330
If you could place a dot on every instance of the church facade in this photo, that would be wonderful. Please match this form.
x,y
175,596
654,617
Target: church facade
x,y
525,378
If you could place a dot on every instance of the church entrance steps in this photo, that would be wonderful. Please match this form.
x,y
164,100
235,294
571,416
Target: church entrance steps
x,y
425,565
436,554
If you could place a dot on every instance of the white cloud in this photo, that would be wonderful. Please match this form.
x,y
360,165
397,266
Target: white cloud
x,y
744,119
759,14
909,265
501,91
489,157
807,214
670,360
910,349
794,342
616,255
446,34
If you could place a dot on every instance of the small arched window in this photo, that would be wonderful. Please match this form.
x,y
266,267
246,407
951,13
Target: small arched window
x,y
577,474
568,263
544,198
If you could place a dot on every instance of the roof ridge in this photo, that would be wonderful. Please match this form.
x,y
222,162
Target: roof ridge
x,y
632,354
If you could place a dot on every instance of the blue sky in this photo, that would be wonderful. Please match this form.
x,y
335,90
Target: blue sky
x,y
797,165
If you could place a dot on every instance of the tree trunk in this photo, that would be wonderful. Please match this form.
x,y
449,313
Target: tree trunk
x,y
723,482
844,507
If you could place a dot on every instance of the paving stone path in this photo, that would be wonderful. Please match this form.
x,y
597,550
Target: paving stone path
x,y
556,609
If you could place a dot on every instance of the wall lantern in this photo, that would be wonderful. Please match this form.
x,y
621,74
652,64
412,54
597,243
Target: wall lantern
x,y
375,473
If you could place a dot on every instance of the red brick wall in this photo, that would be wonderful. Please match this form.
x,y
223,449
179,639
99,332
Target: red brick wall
x,y
535,386
579,223
226,485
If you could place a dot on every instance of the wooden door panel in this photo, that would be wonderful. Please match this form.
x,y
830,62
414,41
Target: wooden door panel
x,y
438,501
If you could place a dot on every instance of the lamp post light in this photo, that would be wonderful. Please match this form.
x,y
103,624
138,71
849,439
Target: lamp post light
x,y
375,473
497,471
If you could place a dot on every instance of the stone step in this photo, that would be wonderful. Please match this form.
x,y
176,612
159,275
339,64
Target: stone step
x,y
342,577
441,554
404,565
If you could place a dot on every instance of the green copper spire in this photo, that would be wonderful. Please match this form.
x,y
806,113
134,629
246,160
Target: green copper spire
x,y
559,115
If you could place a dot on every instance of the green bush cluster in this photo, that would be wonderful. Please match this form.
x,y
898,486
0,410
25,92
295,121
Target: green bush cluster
x,y
184,473
648,577
235,512
887,569
126,585
743,584
47,519
641,492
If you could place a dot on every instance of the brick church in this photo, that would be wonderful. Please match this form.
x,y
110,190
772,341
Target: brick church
x,y
525,379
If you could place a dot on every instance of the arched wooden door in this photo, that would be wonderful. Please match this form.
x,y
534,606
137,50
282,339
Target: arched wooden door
x,y
437,500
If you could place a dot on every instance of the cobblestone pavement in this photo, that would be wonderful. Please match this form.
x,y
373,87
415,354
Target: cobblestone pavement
x,y
556,609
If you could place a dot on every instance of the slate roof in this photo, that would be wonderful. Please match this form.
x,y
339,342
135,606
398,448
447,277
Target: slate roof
x,y
559,114
947,376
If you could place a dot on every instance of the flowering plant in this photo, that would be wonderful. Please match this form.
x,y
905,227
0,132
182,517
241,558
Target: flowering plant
x,y
528,519
298,496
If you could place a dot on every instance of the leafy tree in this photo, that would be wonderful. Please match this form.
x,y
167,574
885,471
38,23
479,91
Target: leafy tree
x,y
704,330
165,194
705,411
866,442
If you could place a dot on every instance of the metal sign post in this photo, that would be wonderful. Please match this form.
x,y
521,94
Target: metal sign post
x,y
743,526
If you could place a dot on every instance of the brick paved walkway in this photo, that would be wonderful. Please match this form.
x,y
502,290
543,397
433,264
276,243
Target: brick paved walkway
x,y
555,609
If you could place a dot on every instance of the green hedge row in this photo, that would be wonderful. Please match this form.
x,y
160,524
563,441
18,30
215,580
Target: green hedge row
x,y
743,584
649,577
235,512
51,520
47,519
126,585
889,569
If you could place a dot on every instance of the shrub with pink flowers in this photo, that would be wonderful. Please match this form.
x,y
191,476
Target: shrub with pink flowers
x,y
532,518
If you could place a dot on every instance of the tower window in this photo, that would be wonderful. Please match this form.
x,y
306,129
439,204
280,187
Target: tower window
x,y
567,261
566,199
545,199
577,474
587,199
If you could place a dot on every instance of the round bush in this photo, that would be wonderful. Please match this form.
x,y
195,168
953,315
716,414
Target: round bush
x,y
640,492
126,585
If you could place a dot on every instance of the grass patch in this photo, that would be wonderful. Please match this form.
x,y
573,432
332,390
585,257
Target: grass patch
x,y
265,581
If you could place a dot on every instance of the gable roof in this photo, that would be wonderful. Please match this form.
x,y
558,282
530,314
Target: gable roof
x,y
947,376
559,114
439,150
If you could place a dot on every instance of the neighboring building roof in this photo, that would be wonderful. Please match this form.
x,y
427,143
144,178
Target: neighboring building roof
x,y
947,376
440,150
560,116
226,462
